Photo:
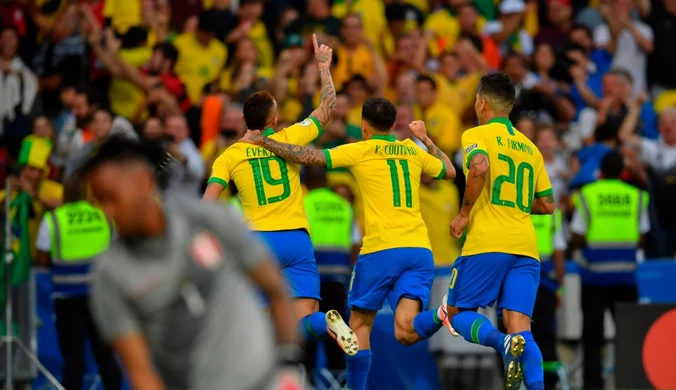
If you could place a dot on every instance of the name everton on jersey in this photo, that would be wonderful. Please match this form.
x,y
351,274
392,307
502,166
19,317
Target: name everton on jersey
x,y
515,145
257,151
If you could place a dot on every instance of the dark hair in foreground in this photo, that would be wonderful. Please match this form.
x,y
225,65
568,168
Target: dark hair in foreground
x,y
379,113
612,165
257,109
499,89
120,149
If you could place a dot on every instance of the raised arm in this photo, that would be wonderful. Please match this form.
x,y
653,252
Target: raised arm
x,y
323,55
476,177
419,131
292,153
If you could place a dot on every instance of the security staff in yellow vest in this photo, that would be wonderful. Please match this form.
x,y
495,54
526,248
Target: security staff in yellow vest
x,y
609,224
69,239
551,247
334,235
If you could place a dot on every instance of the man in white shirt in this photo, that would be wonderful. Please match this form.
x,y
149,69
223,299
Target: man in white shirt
x,y
187,173
629,41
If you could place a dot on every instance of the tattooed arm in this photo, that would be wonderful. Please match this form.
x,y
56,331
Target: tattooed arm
x,y
292,153
544,205
323,55
476,178
419,131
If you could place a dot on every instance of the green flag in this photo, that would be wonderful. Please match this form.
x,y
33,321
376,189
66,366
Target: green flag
x,y
21,265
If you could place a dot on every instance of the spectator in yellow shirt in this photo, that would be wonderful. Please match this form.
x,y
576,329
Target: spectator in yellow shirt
x,y
251,26
201,57
286,82
358,90
370,12
443,125
457,88
439,203
442,28
122,14
244,75
353,57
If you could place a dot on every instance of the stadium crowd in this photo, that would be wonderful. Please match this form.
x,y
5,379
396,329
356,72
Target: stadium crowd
x,y
591,76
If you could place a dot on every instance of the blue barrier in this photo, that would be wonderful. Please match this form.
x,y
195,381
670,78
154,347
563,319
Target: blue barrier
x,y
393,366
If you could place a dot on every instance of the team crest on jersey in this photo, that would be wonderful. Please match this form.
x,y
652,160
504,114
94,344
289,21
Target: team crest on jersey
x,y
471,147
305,122
206,250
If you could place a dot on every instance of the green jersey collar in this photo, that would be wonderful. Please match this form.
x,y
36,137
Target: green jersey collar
x,y
390,137
269,131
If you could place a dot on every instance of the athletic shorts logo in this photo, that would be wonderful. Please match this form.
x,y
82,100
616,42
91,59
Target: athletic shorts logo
x,y
206,251
471,147
305,122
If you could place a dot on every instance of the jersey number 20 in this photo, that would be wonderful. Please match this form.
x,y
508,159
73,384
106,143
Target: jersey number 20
x,y
396,188
262,176
515,176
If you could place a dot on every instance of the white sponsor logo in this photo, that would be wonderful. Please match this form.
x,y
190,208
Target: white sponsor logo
x,y
206,250
305,122
471,147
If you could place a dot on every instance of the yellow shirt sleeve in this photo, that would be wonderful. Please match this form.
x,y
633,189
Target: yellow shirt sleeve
x,y
220,171
472,143
344,156
542,185
302,133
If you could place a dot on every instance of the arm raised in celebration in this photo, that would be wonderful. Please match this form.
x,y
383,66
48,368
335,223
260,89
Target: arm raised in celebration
x,y
324,112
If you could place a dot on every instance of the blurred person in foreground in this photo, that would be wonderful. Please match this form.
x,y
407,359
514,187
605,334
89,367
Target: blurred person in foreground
x,y
395,262
272,201
500,260
609,226
68,242
175,294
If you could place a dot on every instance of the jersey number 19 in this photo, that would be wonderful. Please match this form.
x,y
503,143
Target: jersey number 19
x,y
263,176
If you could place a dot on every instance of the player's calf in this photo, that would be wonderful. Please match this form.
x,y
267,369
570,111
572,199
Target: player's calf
x,y
411,326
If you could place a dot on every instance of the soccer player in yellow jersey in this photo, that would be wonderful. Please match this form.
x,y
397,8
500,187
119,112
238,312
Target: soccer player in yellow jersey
x,y
272,201
506,183
396,261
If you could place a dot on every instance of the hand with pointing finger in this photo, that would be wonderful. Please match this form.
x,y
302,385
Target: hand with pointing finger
x,y
323,53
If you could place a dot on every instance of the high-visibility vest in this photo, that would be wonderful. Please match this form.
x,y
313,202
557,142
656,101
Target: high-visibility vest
x,y
236,202
613,211
79,232
546,228
330,218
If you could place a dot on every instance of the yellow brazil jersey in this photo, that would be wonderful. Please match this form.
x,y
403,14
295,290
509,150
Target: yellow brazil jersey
x,y
123,14
269,187
125,97
459,94
349,64
439,205
388,175
198,65
443,125
500,219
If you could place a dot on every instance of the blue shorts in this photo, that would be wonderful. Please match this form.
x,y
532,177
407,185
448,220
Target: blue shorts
x,y
481,280
295,253
391,274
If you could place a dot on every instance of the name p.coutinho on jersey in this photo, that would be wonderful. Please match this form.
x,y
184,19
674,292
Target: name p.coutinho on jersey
x,y
515,145
396,150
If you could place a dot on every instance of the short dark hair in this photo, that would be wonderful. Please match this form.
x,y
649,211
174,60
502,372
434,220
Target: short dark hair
x,y
427,79
612,165
621,73
499,89
74,189
257,109
379,113
106,110
208,21
168,51
119,149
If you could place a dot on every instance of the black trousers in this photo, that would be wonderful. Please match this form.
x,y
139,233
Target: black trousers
x,y
544,330
334,297
595,301
74,324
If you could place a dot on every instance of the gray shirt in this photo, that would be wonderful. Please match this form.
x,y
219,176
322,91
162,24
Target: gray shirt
x,y
187,179
188,293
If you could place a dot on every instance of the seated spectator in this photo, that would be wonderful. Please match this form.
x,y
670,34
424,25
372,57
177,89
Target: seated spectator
x,y
443,124
352,57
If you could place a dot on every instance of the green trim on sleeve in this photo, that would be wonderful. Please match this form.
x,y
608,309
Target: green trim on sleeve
x,y
472,153
316,121
544,193
218,181
442,173
327,154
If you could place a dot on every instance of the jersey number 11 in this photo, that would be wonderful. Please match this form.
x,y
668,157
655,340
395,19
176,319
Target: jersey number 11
x,y
396,188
